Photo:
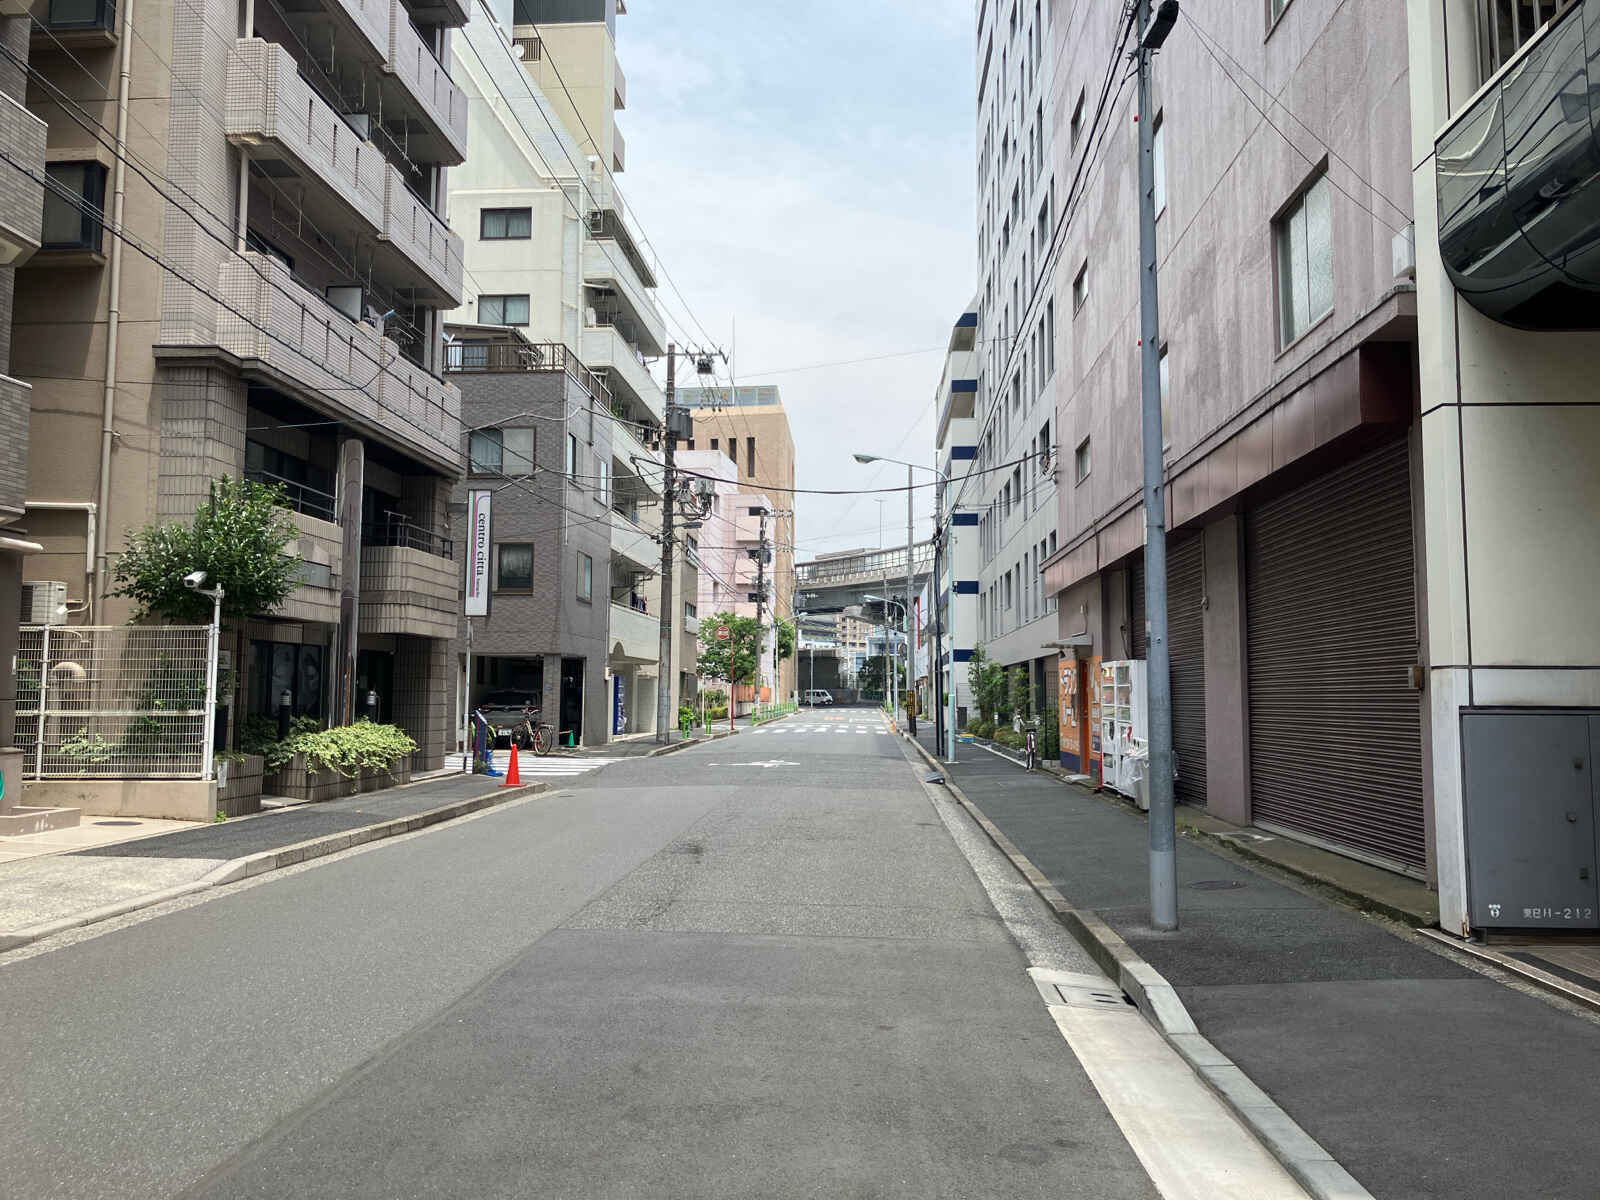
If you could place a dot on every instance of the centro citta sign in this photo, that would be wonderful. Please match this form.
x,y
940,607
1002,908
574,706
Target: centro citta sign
x,y
478,523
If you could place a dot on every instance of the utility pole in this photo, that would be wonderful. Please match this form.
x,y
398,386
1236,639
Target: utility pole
x,y
1163,853
911,623
761,597
669,488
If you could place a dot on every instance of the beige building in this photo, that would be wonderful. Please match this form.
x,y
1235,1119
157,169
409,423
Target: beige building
x,y
751,427
269,307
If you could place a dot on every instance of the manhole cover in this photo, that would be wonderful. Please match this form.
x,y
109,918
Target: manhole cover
x,y
116,822
1216,885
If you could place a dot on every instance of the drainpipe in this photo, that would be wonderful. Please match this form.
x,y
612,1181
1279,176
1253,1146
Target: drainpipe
x,y
114,306
90,533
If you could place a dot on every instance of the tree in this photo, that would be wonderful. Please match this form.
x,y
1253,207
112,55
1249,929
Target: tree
x,y
874,672
1019,693
239,537
732,657
786,640
988,682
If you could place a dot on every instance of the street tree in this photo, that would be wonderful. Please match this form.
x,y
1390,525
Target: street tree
x,y
786,640
730,647
240,537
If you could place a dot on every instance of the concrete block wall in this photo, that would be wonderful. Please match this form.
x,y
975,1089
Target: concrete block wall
x,y
407,591
320,542
422,700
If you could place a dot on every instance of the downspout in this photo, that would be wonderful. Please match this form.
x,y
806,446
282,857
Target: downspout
x,y
114,305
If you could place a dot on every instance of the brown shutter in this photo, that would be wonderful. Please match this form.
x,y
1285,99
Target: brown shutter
x,y
1186,644
1335,726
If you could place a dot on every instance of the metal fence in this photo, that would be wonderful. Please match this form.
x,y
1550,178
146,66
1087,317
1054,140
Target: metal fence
x,y
112,702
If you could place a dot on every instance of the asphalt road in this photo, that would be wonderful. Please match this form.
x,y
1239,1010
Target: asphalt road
x,y
761,967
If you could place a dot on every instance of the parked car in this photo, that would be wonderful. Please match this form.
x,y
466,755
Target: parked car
x,y
503,709
819,696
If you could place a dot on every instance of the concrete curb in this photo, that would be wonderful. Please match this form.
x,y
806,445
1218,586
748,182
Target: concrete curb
x,y
1300,1154
272,860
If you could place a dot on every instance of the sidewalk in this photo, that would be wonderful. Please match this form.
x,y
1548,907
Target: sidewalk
x,y
1424,1078
40,894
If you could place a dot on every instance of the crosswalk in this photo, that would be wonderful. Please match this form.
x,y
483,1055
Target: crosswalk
x,y
533,768
846,727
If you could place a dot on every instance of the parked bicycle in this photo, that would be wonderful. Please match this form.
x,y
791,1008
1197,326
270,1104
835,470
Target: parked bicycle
x,y
530,733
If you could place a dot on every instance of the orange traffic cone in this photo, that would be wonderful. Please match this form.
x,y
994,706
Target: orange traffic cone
x,y
512,778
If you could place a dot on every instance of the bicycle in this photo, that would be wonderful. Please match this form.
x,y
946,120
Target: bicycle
x,y
532,734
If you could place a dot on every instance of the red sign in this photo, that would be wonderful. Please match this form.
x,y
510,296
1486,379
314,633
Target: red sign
x,y
723,633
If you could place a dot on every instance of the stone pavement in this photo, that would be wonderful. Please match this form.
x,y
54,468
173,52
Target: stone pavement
x,y
1421,1075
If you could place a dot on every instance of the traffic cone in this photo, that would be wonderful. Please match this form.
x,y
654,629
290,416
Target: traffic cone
x,y
513,779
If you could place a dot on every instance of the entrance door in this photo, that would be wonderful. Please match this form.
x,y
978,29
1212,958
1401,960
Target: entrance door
x,y
572,697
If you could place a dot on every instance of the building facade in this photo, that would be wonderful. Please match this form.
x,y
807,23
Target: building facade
x,y
958,591
1289,397
1012,488
552,255
22,141
243,262
750,426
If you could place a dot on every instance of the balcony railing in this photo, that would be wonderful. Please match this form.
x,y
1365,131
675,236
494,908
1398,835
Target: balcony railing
x,y
479,358
425,77
299,497
1509,25
421,236
407,535
605,265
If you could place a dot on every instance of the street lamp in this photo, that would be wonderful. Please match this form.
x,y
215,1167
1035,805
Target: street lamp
x,y
943,477
195,582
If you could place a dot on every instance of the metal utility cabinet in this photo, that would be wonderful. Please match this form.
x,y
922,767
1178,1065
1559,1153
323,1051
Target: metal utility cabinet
x,y
1531,802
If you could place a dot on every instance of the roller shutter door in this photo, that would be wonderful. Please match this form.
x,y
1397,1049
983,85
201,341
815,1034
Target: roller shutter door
x,y
1335,726
1186,642
1186,648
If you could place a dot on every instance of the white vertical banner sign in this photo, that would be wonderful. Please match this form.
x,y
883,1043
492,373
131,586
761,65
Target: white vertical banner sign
x,y
478,529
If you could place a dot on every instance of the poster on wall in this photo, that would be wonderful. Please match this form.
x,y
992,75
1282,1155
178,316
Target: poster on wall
x,y
478,532
1067,718
619,705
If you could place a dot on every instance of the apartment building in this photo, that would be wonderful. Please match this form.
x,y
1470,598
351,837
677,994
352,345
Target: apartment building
x,y
22,140
958,588
1020,190
751,427
1508,220
552,255
1289,398
726,544
268,307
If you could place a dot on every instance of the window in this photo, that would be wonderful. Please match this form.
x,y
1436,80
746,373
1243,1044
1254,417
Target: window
x,y
504,224
572,456
1511,24
690,612
750,456
585,578
714,442
1050,340
502,310
602,479
1158,155
513,570
1080,287
1275,10
1304,236
74,206
1080,461
501,452
1077,121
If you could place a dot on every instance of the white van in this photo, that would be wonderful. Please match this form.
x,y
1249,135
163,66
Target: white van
x,y
818,696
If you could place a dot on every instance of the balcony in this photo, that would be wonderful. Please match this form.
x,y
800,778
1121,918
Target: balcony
x,y
627,449
441,12
420,237
1519,184
321,550
290,337
433,120
275,115
407,590
619,87
21,200
606,266
635,636
632,543
604,349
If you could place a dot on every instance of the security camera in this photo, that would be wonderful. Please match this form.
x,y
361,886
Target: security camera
x,y
194,580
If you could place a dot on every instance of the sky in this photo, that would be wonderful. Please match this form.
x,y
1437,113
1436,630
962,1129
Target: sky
x,y
806,173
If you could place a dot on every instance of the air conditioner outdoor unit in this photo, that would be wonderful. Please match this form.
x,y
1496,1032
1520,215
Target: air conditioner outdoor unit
x,y
350,299
44,602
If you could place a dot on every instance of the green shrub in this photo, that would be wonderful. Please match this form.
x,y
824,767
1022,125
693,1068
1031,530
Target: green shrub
x,y
1009,737
350,749
259,735
686,718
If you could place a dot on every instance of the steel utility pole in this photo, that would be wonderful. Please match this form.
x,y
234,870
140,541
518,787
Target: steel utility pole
x,y
669,487
911,630
761,597
1163,853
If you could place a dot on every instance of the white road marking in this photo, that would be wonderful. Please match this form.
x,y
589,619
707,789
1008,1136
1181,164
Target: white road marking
x,y
532,766
765,766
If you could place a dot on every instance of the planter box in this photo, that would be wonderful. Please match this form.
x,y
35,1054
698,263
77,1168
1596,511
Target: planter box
x,y
375,779
241,795
296,782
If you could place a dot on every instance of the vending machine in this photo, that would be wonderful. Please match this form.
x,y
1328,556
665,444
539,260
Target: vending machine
x,y
1124,723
